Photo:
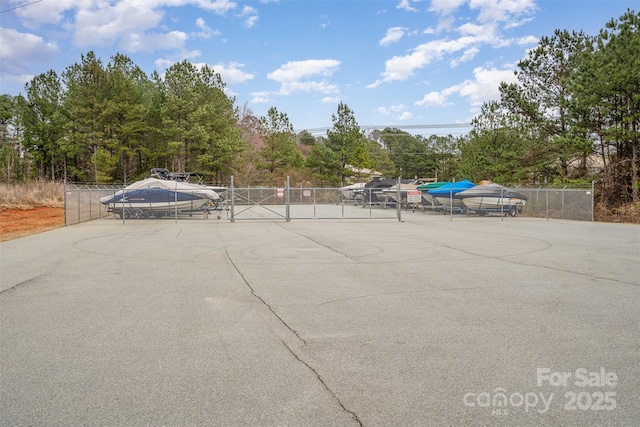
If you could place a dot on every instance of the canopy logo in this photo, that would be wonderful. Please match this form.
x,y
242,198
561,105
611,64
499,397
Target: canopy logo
x,y
592,393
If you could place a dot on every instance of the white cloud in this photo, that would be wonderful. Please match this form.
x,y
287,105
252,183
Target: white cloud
x,y
484,87
260,98
232,73
104,25
432,99
150,42
17,49
528,40
331,100
217,6
295,70
164,63
251,21
46,12
502,10
486,83
205,31
493,15
406,5
251,16
393,35
297,76
405,116
467,56
403,67
446,7
287,88
107,23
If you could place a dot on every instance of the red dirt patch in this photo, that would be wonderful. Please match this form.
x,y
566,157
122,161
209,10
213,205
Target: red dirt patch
x,y
16,223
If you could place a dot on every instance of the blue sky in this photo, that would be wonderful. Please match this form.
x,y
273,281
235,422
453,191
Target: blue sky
x,y
393,62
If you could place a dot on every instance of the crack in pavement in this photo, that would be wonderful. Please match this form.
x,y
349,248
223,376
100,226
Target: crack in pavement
x,y
347,256
291,350
25,282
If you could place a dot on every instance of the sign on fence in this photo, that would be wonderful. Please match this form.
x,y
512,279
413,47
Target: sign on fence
x,y
414,196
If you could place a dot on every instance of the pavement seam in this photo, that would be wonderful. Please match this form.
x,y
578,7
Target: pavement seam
x,y
504,259
253,292
24,282
304,343
337,399
347,256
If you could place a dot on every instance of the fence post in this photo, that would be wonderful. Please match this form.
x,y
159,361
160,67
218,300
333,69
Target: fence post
x,y
398,204
451,198
287,200
233,198
501,204
64,186
593,206
562,208
547,207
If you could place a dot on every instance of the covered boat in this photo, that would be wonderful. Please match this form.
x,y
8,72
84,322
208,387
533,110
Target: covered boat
x,y
372,192
488,198
391,193
443,195
427,199
158,197
349,191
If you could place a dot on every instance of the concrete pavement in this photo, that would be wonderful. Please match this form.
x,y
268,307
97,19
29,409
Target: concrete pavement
x,y
427,322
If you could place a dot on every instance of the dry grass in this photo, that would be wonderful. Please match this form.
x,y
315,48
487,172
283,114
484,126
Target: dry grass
x,y
629,213
32,195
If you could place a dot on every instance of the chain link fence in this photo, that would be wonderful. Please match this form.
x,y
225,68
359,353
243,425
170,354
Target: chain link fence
x,y
287,203
82,203
559,203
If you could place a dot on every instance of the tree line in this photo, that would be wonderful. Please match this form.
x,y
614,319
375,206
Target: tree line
x,y
572,117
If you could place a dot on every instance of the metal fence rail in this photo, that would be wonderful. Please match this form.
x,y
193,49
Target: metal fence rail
x,y
287,203
82,203
559,203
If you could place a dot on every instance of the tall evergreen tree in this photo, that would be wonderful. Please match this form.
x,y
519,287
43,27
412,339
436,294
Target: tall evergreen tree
x,y
607,87
346,140
85,104
281,148
44,119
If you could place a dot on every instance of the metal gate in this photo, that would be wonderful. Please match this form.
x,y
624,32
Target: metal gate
x,y
286,203
259,203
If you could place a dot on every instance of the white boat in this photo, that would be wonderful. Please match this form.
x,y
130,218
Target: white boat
x,y
391,193
445,195
487,198
158,197
349,191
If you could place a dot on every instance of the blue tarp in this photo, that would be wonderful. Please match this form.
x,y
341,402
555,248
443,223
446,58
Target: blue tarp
x,y
451,188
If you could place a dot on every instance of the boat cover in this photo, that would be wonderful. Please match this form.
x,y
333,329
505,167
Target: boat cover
x,y
451,188
430,186
490,190
161,184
